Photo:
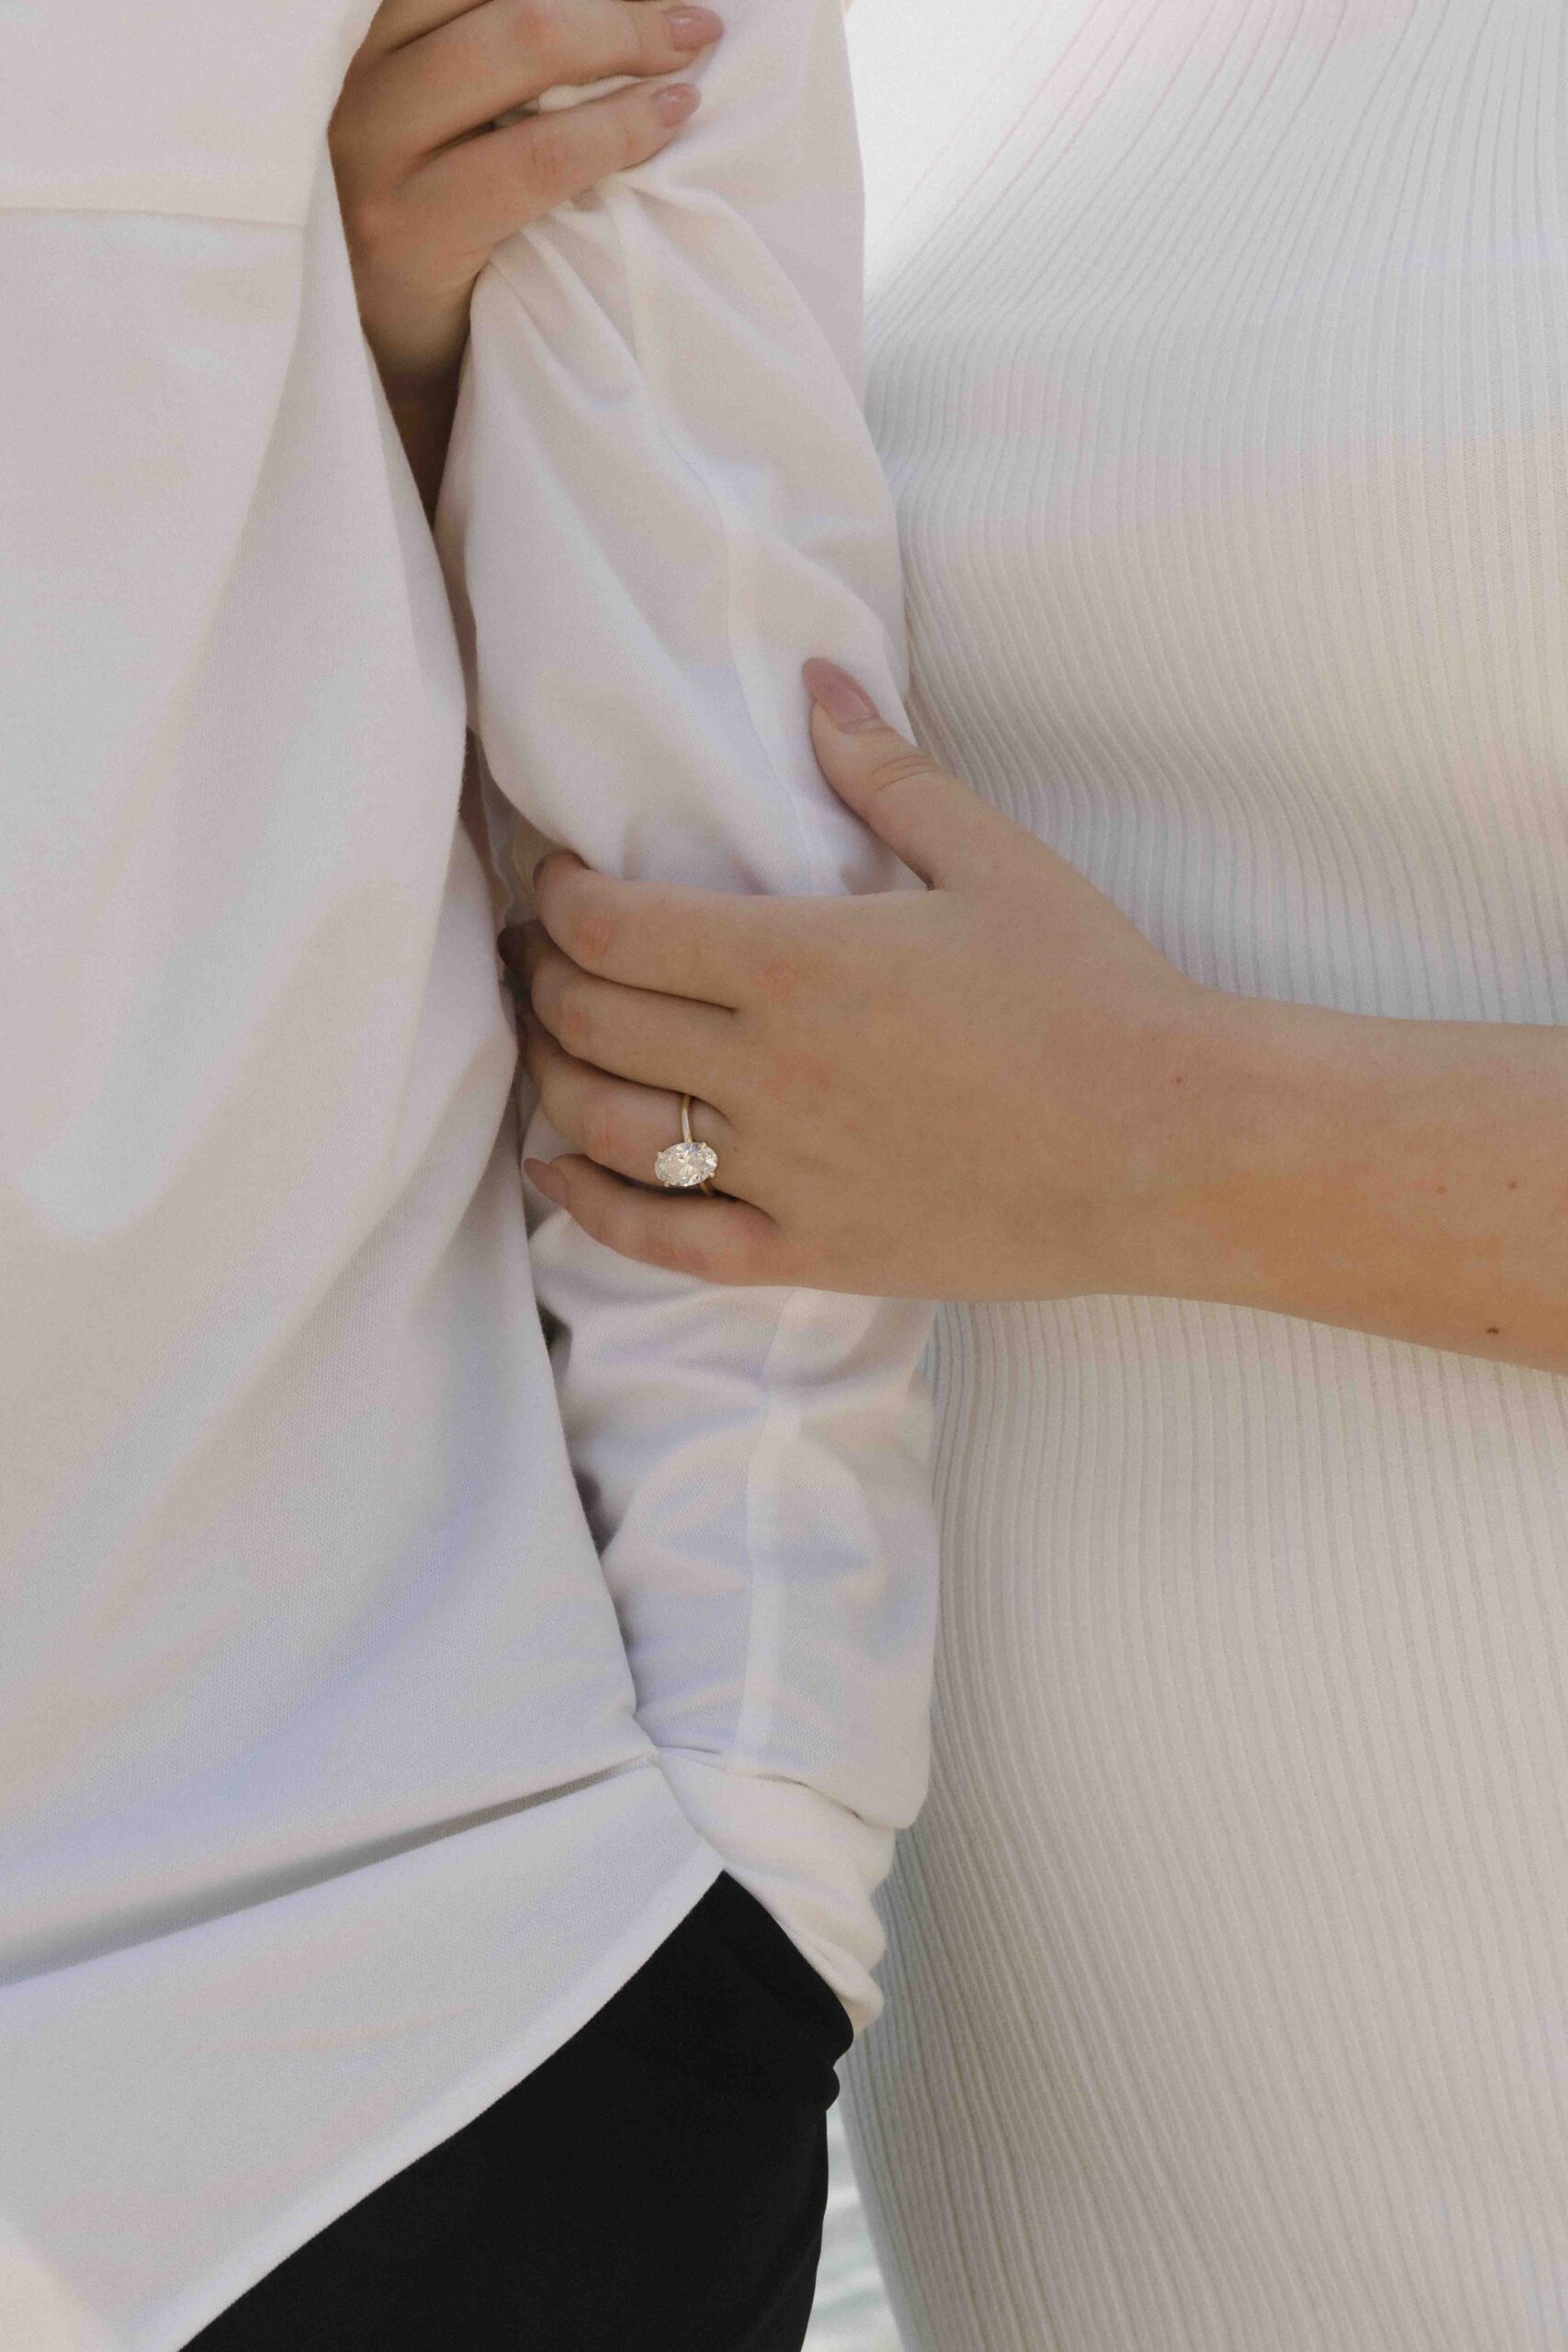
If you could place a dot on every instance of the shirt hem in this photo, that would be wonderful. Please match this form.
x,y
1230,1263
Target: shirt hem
x,y
477,1956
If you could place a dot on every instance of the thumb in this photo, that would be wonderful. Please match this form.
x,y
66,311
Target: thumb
x,y
937,825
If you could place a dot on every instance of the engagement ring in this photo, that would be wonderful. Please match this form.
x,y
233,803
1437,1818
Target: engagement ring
x,y
687,1166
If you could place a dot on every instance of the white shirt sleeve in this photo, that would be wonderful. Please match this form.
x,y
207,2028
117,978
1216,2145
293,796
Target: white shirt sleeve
x,y
662,496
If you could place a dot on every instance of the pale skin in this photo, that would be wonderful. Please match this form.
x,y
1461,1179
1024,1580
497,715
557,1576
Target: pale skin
x,y
1139,1133
430,185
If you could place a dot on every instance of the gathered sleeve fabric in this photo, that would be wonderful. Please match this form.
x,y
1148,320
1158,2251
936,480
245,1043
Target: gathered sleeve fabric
x,y
662,497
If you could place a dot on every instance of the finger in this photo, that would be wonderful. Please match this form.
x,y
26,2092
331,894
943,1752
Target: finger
x,y
489,187
508,52
939,826
484,190
713,1240
707,944
630,1033
619,1125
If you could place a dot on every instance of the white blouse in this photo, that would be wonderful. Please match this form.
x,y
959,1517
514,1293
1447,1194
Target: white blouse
x,y
341,1784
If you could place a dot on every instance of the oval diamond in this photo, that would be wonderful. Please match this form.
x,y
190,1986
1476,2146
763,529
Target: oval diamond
x,y
682,1166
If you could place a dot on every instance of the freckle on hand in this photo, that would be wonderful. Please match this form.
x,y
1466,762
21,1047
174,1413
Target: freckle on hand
x,y
1493,1331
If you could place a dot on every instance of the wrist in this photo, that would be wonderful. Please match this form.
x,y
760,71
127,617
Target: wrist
x,y
1251,1104
417,346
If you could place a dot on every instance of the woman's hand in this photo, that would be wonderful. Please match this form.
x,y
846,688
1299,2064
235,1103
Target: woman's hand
x,y
999,1089
429,186
981,1090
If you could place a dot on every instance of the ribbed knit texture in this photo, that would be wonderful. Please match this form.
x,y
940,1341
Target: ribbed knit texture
x,y
1220,354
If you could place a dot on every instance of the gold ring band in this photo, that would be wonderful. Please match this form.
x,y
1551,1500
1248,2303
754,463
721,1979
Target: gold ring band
x,y
688,1137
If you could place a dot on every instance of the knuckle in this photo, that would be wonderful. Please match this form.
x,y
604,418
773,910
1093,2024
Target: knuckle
x,y
542,990
597,1217
649,38
666,1247
901,766
551,155
599,1132
615,1220
709,1253
802,1072
790,1252
630,132
786,1263
735,1261
778,979
533,25
574,1018
554,1101
585,927
769,1254
370,225
549,875
350,126
624,132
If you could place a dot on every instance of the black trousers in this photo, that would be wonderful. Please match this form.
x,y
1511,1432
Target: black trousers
x,y
657,2186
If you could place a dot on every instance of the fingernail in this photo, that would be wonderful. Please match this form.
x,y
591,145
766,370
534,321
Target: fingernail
x,y
694,28
675,103
845,701
543,1178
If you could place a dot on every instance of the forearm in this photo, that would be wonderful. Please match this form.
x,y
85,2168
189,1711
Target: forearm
x,y
1408,1178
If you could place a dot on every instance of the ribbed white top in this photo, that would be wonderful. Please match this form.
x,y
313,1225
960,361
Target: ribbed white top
x,y
1220,368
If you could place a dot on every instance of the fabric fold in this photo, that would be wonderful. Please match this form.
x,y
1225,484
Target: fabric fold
x,y
662,497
